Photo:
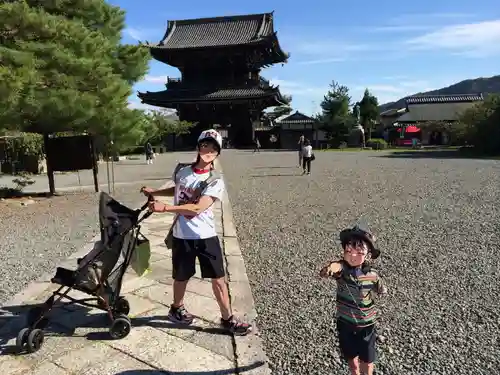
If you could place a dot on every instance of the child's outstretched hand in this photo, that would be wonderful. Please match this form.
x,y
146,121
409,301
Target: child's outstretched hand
x,y
332,269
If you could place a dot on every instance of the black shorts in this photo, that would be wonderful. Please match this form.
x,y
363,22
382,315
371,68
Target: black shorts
x,y
357,342
209,254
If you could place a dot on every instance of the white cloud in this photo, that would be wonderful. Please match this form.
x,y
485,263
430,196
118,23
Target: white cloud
x,y
135,104
143,34
473,39
400,89
295,88
134,33
419,18
379,88
321,61
156,79
399,28
313,51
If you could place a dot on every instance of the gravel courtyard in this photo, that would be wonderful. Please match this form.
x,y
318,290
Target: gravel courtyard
x,y
437,223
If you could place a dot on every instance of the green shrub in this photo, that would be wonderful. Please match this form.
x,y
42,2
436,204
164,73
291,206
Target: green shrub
x,y
377,144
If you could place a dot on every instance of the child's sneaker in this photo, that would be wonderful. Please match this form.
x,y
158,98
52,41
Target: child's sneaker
x,y
180,315
236,327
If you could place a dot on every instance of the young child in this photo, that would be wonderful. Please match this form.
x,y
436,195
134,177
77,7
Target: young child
x,y
194,234
356,284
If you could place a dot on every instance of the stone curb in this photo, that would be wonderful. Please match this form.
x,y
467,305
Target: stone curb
x,y
249,350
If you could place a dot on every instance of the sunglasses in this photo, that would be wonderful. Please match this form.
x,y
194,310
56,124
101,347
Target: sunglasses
x,y
356,247
208,145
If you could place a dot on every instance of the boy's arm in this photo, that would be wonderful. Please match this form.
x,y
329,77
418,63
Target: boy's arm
x,y
212,193
167,192
334,269
380,287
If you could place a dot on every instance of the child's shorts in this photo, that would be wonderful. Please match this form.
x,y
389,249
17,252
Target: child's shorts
x,y
357,342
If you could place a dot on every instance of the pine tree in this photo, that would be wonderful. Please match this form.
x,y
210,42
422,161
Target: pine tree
x,y
62,67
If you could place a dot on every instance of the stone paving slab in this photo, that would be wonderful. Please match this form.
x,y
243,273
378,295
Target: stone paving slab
x,y
77,340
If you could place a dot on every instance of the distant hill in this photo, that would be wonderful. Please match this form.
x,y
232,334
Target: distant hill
x,y
485,86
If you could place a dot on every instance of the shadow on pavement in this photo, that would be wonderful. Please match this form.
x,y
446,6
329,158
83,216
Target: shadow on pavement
x,y
434,154
231,371
63,321
12,320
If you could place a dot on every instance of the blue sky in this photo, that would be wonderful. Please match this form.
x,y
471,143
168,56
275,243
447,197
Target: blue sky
x,y
394,48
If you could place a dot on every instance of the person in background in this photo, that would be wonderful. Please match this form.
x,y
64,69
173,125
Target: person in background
x,y
307,156
301,147
149,153
256,145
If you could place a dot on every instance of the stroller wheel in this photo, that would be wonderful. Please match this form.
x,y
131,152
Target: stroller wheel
x,y
120,328
122,306
35,340
22,338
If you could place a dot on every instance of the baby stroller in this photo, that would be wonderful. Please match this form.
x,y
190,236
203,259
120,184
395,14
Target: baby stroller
x,y
99,274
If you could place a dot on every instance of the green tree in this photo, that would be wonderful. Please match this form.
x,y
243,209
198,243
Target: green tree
x,y
335,115
368,111
62,68
160,125
284,109
479,126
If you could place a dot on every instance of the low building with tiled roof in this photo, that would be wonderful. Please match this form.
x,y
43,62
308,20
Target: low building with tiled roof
x,y
435,109
293,125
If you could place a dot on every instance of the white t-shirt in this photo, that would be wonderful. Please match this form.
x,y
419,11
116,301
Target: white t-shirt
x,y
202,225
307,151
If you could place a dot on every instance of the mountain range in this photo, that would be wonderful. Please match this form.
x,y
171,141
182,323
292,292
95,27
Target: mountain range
x,y
482,85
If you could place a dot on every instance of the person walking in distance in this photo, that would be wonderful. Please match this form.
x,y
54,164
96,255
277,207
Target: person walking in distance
x,y
149,152
194,233
256,144
307,157
301,147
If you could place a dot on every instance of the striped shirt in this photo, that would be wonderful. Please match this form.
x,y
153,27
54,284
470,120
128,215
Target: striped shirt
x,y
355,303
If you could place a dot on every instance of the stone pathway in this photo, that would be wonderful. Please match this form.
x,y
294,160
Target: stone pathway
x,y
77,340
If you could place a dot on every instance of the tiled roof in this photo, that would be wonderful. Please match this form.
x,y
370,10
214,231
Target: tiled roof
x,y
217,31
440,111
430,99
179,96
294,118
393,112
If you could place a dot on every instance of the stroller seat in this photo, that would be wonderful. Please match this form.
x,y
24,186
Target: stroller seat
x,y
69,278
64,277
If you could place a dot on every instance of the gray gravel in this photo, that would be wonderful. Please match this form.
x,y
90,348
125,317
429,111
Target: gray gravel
x,y
36,238
438,224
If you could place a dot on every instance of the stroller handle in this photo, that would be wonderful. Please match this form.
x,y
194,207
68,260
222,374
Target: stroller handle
x,y
150,199
149,213
145,205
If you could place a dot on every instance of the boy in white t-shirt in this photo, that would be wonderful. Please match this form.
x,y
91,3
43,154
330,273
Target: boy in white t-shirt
x,y
194,234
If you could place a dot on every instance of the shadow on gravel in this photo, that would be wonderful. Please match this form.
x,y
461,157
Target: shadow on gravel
x,y
435,154
230,371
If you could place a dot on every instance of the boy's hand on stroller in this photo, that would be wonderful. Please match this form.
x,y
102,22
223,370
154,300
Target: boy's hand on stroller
x,y
330,270
156,206
147,191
